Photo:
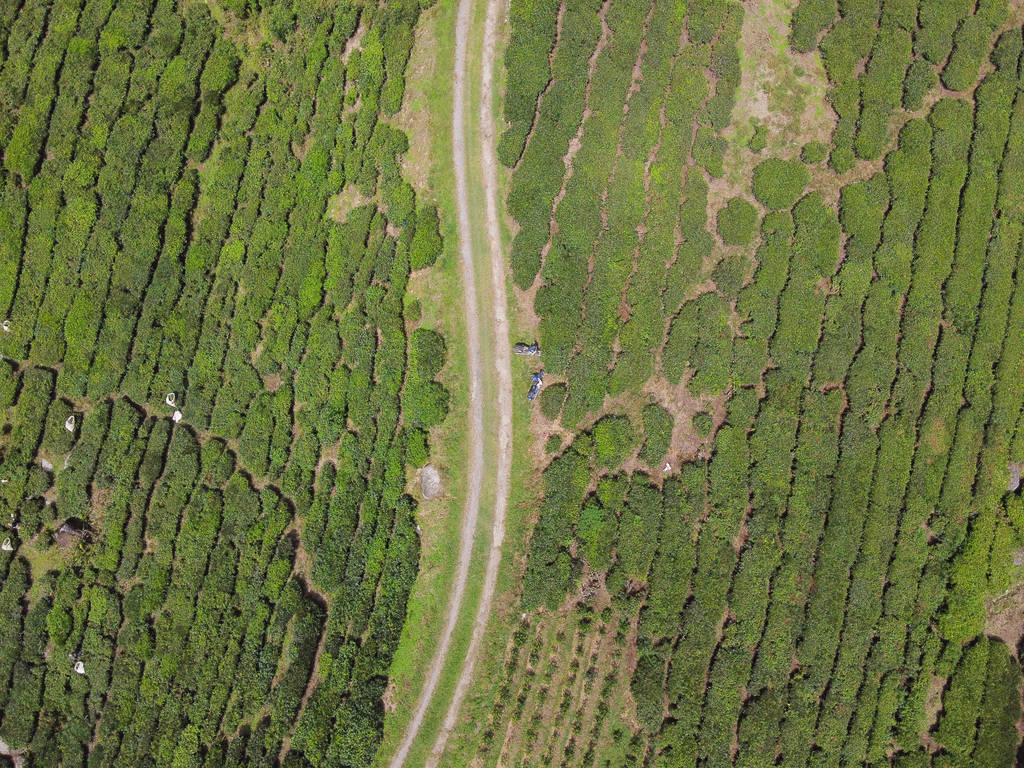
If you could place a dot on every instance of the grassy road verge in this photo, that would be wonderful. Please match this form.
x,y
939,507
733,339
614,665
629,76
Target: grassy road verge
x,y
427,119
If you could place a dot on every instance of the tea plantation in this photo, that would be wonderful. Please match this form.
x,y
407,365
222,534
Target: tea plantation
x,y
772,253
213,384
785,526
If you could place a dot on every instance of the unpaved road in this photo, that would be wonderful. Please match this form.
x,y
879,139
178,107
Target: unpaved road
x,y
492,304
499,333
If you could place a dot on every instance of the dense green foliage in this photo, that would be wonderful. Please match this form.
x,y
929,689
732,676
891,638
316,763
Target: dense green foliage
x,y
551,399
737,221
241,585
883,56
814,581
779,183
658,425
813,152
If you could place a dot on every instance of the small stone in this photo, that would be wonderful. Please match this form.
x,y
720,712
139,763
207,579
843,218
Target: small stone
x,y
45,464
430,482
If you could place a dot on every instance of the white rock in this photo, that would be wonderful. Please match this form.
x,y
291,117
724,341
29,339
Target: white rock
x,y
430,482
69,423
176,417
169,399
668,467
45,464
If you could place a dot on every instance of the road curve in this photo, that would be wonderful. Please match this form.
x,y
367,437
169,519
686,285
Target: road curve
x,y
474,302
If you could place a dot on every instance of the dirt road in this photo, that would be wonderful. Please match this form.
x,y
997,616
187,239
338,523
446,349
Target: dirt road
x,y
491,303
502,358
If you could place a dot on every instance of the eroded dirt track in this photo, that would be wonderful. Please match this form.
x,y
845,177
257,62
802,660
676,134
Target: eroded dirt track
x,y
498,330
489,303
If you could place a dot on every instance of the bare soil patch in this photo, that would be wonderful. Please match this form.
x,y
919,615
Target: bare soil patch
x,y
780,89
932,708
419,159
343,203
1004,618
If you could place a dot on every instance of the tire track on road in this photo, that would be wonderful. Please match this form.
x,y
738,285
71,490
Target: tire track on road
x,y
494,306
500,337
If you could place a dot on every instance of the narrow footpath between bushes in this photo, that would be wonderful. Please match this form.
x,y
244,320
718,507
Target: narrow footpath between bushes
x,y
493,306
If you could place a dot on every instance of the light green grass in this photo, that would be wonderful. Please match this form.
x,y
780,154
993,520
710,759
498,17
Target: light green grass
x,y
440,293
524,495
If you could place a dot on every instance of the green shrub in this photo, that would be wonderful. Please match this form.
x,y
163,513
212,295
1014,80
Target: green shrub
x,y
708,150
427,352
737,221
971,45
8,385
702,423
730,273
810,18
921,78
703,18
759,138
813,152
551,399
658,425
416,450
999,710
778,184
281,21
682,336
220,70
596,532
614,440
937,22
526,61
646,687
